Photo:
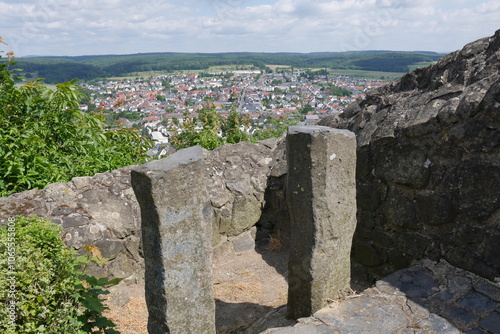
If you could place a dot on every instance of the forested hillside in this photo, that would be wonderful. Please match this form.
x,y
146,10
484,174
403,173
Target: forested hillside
x,y
60,69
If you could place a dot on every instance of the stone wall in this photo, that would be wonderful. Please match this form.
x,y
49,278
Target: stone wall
x,y
238,180
177,210
428,171
102,210
99,210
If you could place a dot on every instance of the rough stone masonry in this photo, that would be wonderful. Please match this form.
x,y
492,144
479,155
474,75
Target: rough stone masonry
x,y
321,195
176,228
428,172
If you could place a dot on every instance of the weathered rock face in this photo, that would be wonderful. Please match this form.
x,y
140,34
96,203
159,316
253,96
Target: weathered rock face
x,y
237,177
99,210
428,171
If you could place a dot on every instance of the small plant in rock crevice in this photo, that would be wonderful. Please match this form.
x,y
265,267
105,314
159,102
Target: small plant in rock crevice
x,y
275,241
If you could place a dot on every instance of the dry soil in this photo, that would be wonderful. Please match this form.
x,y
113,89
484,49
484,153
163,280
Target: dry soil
x,y
246,286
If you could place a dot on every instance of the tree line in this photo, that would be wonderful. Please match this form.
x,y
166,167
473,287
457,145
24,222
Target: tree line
x,y
61,69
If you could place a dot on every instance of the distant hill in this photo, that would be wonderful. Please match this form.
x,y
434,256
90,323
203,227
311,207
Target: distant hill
x,y
60,69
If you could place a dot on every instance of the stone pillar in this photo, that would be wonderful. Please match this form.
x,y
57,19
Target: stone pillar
x,y
321,196
176,232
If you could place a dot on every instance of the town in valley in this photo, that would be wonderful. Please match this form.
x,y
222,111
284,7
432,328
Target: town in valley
x,y
158,104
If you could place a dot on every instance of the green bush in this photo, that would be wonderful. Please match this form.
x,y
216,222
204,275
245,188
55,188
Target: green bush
x,y
43,285
203,130
207,137
274,128
45,138
231,128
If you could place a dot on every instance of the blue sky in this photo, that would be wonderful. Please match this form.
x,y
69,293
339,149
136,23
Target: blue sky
x,y
90,27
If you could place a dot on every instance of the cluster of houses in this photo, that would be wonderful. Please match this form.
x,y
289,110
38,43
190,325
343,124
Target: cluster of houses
x,y
164,100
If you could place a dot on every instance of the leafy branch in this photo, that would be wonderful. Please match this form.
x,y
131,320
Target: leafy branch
x,y
46,138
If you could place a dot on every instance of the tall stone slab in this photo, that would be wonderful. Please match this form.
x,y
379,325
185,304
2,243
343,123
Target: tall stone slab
x,y
176,232
321,196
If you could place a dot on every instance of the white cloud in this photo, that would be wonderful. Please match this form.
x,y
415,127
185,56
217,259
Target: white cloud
x,y
75,27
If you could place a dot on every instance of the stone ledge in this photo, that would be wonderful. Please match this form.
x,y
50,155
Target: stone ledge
x,y
429,297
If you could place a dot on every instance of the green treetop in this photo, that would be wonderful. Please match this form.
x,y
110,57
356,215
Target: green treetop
x,y
45,138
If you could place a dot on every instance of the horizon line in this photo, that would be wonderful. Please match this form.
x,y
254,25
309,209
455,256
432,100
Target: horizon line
x,y
226,52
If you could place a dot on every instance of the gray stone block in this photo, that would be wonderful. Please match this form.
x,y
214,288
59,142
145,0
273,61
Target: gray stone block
x,y
476,331
462,318
321,195
365,315
478,303
432,139
176,230
437,324
415,282
489,289
307,329
74,221
491,323
244,242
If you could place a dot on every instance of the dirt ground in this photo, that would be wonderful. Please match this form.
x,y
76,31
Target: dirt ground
x,y
246,286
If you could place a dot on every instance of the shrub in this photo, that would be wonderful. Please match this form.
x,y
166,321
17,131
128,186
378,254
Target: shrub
x,y
43,284
231,128
45,138
203,130
207,137
274,128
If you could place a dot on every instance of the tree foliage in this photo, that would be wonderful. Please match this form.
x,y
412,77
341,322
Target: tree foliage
x,y
201,131
306,109
337,91
43,285
273,128
231,128
209,130
45,138
61,71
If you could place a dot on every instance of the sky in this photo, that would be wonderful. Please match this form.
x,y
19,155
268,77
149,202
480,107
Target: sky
x,y
97,27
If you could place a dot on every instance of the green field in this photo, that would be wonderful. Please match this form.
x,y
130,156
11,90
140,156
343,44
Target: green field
x,y
374,75
421,64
